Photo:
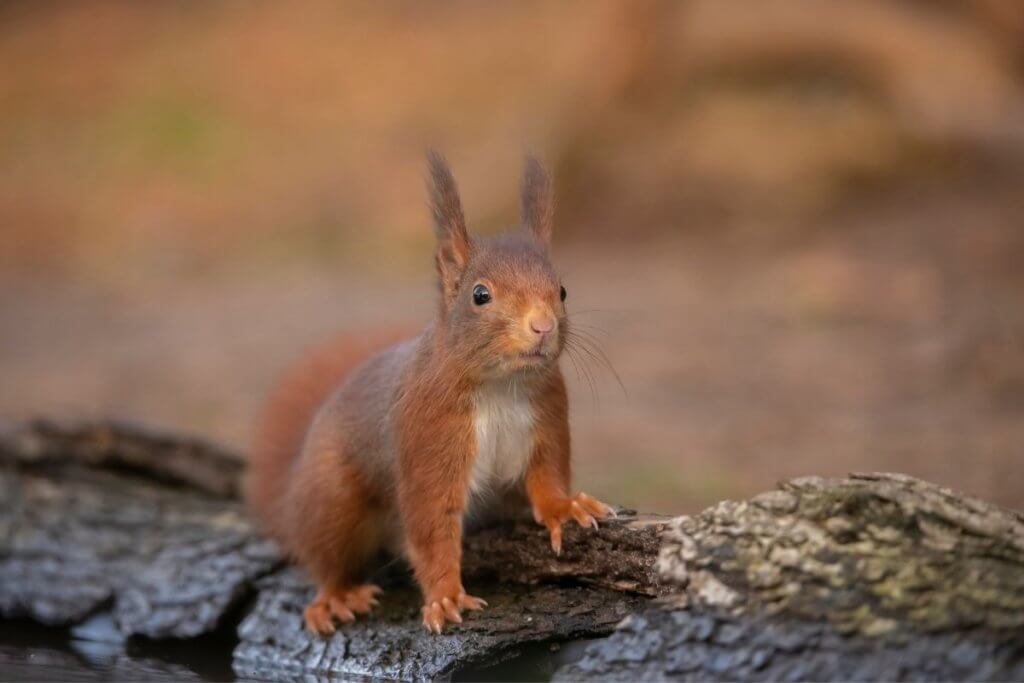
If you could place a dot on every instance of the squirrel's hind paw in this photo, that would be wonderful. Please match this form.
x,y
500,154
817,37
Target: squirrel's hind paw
x,y
339,604
318,618
361,599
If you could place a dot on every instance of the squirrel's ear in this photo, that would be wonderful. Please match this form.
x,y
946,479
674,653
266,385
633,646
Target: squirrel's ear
x,y
537,201
453,243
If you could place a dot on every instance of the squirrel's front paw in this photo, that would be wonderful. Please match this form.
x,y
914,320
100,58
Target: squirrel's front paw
x,y
449,608
581,507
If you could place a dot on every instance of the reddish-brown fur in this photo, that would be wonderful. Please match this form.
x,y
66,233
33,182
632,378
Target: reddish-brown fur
x,y
389,458
289,409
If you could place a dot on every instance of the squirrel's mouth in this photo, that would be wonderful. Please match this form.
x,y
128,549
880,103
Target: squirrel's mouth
x,y
534,356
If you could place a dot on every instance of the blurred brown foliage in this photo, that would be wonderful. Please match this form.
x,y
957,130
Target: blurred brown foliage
x,y
812,211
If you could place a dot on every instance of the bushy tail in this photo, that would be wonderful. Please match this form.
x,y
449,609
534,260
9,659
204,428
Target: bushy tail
x,y
290,408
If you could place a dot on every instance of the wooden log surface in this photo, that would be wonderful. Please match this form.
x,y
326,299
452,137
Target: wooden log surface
x,y
157,536
867,577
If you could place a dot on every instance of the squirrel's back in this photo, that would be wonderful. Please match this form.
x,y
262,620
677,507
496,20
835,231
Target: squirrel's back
x,y
290,408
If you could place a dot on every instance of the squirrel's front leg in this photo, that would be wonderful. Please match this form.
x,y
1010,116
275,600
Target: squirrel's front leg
x,y
549,473
432,498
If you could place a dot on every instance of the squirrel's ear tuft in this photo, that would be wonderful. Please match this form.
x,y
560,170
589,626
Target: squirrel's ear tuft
x,y
537,201
449,222
453,243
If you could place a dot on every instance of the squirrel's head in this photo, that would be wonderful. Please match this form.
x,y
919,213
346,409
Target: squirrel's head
x,y
502,303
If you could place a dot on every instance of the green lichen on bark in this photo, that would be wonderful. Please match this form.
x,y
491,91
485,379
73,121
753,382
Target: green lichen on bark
x,y
872,554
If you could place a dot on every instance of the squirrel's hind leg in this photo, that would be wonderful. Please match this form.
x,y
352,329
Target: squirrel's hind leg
x,y
336,529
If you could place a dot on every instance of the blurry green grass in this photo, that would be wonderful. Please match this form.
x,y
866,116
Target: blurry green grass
x,y
188,136
652,484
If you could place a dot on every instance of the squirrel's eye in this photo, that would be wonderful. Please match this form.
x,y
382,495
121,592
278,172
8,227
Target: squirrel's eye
x,y
481,295
562,293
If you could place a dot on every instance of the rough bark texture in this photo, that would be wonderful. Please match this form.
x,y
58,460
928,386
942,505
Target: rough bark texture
x,y
169,561
702,644
621,555
870,554
105,517
867,577
175,459
871,577
394,644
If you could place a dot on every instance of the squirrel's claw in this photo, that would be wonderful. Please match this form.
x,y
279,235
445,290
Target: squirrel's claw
x,y
340,611
451,612
318,619
339,604
433,617
582,517
584,509
469,602
436,613
594,506
362,599
556,537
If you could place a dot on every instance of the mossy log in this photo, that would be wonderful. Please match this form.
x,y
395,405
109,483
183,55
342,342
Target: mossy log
x,y
868,577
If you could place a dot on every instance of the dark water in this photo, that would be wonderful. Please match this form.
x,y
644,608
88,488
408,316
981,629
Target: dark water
x,y
536,662
95,651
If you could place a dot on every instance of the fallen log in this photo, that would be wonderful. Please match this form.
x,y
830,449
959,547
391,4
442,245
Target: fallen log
x,y
868,577
167,548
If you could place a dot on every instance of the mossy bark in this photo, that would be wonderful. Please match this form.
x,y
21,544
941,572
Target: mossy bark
x,y
869,577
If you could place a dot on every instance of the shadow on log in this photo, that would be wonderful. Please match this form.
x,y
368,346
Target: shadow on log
x,y
869,577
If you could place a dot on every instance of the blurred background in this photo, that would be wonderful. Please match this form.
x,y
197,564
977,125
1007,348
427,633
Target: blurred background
x,y
796,228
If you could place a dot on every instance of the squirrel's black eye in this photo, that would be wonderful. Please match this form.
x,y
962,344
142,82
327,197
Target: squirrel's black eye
x,y
481,295
562,293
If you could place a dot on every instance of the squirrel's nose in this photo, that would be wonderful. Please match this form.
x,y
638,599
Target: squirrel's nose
x,y
542,324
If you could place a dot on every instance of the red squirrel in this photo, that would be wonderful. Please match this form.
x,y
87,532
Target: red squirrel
x,y
359,453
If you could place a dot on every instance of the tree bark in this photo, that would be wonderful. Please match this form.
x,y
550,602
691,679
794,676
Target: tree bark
x,y
866,577
869,577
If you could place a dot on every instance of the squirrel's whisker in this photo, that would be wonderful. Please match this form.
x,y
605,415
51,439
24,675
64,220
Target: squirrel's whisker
x,y
590,346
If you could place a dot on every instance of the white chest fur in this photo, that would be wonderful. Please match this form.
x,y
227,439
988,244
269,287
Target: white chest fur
x,y
503,422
